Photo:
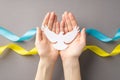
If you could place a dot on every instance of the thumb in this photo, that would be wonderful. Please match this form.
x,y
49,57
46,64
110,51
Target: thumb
x,y
83,35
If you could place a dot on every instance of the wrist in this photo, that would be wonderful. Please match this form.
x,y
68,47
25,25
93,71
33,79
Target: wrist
x,y
49,57
46,61
69,58
45,70
71,68
69,61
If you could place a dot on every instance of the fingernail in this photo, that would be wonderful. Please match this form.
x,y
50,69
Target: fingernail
x,y
62,15
70,14
47,14
65,12
53,12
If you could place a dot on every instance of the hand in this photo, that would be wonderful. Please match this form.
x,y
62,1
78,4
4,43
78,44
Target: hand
x,y
43,45
48,55
75,48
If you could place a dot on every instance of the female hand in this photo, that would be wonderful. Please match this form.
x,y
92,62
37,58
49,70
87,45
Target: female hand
x,y
75,48
43,45
48,55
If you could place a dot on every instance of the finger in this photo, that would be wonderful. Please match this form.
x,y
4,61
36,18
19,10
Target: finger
x,y
63,18
38,35
62,24
57,27
73,20
68,22
83,35
55,19
46,19
54,28
66,30
51,20
54,25
65,25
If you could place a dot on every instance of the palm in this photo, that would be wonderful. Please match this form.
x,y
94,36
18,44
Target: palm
x,y
46,50
74,49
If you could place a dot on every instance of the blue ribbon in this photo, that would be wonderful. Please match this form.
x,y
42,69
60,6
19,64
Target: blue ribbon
x,y
29,34
102,37
11,36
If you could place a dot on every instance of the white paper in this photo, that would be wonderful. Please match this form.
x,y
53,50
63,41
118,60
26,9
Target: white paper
x,y
60,38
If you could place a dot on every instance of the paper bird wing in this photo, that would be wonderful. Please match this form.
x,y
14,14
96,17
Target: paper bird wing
x,y
71,35
53,37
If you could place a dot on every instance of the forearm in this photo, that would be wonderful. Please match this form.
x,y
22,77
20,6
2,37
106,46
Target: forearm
x,y
72,69
45,70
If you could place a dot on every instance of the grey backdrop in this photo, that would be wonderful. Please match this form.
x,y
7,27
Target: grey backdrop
x,y
19,16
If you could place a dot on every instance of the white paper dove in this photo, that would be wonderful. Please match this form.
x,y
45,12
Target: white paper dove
x,y
60,39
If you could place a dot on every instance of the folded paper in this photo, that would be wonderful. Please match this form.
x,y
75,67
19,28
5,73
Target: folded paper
x,y
60,39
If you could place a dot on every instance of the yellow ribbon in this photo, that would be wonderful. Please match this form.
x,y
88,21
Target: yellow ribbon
x,y
18,49
97,50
